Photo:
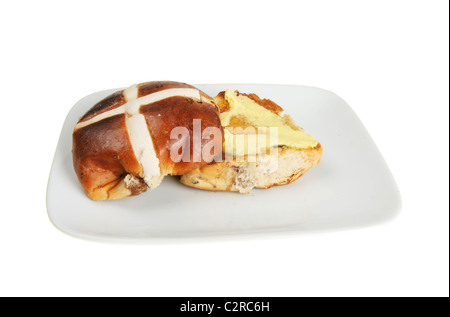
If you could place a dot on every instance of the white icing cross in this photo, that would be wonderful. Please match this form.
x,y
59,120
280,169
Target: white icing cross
x,y
140,137
134,104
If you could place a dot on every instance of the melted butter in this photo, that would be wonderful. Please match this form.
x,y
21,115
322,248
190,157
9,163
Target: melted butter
x,y
276,131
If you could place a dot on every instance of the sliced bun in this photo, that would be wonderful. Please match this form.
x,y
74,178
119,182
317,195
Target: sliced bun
x,y
243,176
243,173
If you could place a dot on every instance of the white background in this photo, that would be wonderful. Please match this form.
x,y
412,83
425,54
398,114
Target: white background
x,y
387,59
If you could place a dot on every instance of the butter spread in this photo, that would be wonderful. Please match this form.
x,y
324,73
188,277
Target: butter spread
x,y
277,132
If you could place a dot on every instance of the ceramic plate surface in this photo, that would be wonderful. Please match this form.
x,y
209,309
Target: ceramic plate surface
x,y
352,186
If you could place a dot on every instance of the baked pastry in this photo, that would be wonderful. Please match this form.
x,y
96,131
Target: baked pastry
x,y
282,158
122,145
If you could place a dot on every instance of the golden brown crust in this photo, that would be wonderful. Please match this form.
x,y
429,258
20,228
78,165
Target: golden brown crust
x,y
224,106
221,102
110,102
173,112
102,152
266,103
152,87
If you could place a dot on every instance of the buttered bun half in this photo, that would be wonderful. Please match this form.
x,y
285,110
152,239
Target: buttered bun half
x,y
280,158
122,145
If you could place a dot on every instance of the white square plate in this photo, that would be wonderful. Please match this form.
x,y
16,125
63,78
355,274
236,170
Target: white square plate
x,y
352,187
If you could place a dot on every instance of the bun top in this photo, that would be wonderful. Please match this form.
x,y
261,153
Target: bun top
x,y
129,132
